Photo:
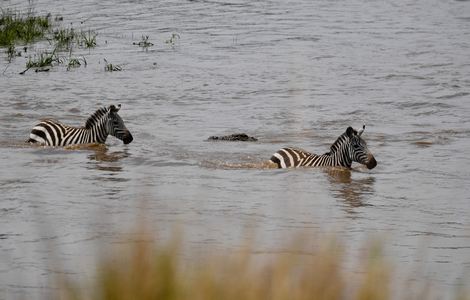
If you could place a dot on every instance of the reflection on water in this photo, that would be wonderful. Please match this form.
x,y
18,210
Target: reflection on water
x,y
108,156
104,160
350,190
101,158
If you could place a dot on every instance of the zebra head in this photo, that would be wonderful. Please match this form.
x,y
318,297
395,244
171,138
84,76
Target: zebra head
x,y
116,125
358,148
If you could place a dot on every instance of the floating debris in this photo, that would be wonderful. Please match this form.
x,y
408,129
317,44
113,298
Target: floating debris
x,y
109,67
144,43
239,137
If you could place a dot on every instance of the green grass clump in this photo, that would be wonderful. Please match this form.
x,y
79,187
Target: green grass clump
x,y
15,27
74,62
64,37
42,60
88,39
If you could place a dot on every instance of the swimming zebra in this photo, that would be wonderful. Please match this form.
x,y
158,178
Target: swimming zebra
x,y
347,148
105,121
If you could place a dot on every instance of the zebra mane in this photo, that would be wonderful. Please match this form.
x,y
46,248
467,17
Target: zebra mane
x,y
339,141
95,117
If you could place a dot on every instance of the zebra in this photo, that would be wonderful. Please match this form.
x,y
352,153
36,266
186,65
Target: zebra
x,y
347,148
105,121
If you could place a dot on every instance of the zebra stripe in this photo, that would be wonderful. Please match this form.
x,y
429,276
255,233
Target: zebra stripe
x,y
347,148
104,122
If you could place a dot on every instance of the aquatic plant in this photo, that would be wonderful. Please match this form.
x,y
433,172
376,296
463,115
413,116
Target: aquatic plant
x,y
109,67
12,52
41,61
44,59
64,37
15,27
88,39
144,43
173,39
74,62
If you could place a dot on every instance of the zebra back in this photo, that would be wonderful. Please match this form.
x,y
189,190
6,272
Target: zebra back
x,y
290,157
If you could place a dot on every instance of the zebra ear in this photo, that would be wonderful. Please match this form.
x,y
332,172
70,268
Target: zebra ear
x,y
350,132
114,109
361,130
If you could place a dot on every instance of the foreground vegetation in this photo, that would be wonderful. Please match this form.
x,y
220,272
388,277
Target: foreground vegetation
x,y
148,270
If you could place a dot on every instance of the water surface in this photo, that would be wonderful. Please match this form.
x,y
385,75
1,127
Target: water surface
x,y
291,74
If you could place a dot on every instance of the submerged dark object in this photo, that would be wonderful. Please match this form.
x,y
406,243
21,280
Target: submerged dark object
x,y
242,137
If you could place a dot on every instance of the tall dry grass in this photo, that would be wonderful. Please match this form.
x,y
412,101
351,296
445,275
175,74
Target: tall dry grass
x,y
151,270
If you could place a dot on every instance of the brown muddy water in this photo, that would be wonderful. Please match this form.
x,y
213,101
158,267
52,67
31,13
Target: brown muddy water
x,y
291,73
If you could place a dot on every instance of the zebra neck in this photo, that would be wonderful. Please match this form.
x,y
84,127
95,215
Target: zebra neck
x,y
97,133
339,158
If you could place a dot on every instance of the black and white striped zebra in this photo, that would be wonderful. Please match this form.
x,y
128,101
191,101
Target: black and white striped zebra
x,y
347,148
105,121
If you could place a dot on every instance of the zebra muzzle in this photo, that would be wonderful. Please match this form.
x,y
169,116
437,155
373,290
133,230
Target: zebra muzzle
x,y
372,163
127,138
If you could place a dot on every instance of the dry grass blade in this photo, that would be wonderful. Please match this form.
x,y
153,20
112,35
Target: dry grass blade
x,y
313,270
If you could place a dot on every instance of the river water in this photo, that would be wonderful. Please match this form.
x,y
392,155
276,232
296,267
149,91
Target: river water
x,y
291,73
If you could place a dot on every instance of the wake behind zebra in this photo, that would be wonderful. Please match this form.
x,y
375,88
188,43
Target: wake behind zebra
x,y
349,147
105,121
